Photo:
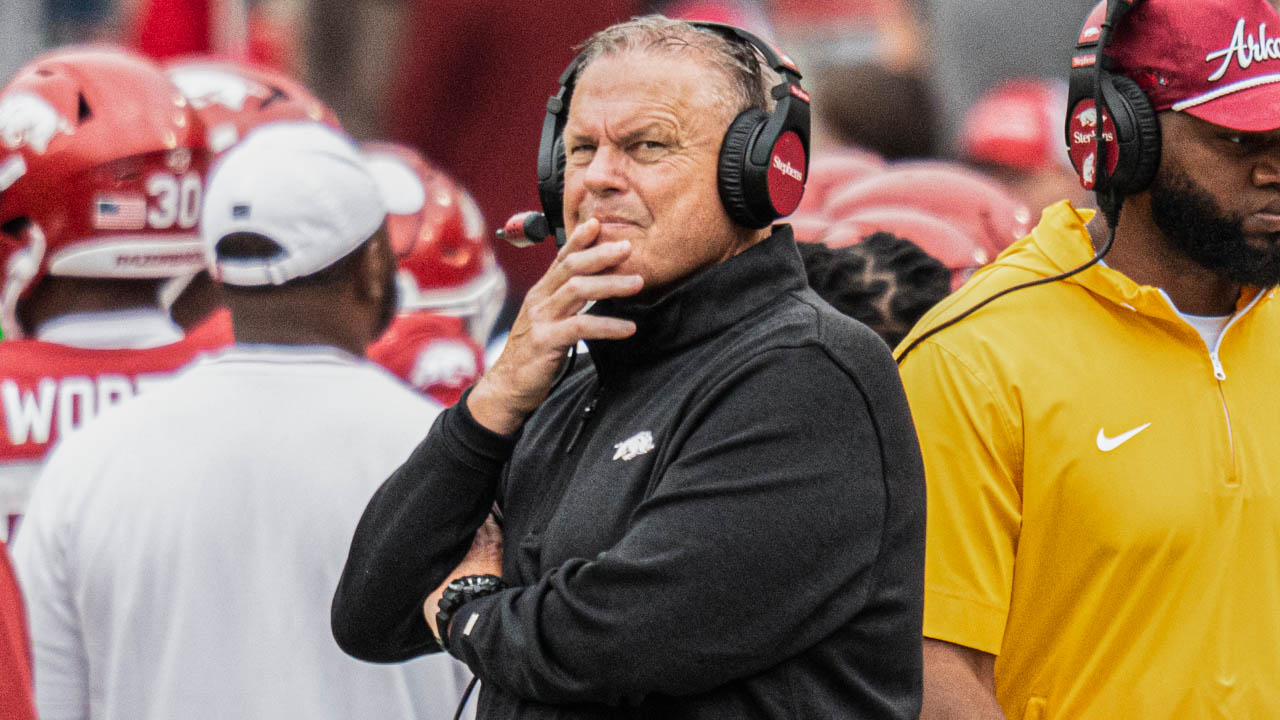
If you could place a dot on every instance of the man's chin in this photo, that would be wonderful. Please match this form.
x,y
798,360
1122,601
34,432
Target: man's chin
x,y
1256,263
1263,242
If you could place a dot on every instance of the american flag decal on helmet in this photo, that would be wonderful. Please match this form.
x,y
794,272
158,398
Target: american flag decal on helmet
x,y
120,212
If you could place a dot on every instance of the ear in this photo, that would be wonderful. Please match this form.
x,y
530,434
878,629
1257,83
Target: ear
x,y
375,265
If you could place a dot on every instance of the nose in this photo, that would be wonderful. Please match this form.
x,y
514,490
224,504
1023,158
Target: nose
x,y
1266,171
606,173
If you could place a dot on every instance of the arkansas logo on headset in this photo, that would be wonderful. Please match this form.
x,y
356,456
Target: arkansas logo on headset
x,y
1084,142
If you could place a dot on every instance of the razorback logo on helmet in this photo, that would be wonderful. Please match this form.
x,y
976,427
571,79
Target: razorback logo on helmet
x,y
447,363
205,86
29,120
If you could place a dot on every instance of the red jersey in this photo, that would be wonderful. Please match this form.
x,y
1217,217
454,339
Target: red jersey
x,y
16,697
47,390
433,353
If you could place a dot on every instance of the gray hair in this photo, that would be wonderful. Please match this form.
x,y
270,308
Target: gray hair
x,y
740,63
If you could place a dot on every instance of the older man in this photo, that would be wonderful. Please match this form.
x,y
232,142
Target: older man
x,y
719,515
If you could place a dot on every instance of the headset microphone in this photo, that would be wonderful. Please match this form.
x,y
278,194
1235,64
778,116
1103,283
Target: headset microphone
x,y
526,228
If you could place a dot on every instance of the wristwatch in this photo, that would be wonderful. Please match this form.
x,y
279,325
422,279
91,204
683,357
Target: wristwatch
x,y
459,593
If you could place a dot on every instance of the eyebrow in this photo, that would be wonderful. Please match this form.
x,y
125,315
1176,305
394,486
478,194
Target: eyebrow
x,y
647,129
659,126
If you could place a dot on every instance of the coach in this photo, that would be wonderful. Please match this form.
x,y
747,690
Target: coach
x,y
720,513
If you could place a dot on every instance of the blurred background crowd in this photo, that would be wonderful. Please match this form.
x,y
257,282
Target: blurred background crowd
x,y
938,121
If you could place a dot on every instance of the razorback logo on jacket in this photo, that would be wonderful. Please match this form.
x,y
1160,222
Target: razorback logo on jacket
x,y
634,446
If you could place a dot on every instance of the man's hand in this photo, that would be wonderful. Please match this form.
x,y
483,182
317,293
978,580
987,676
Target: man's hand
x,y
549,324
484,558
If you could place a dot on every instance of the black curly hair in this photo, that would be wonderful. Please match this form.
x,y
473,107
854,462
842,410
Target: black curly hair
x,y
886,282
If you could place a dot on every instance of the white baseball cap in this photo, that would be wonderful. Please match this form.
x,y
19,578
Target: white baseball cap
x,y
303,185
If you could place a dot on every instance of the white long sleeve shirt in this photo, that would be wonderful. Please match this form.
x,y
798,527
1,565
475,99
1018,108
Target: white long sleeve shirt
x,y
179,556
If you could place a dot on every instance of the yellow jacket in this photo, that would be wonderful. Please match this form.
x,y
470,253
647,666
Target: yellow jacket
x,y
1103,511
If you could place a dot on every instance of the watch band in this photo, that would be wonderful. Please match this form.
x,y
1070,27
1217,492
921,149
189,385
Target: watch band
x,y
459,593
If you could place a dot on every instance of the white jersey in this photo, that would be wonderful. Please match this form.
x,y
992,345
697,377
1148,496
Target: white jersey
x,y
179,557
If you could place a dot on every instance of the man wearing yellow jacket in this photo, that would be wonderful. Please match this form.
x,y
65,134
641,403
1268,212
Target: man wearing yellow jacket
x,y
1102,444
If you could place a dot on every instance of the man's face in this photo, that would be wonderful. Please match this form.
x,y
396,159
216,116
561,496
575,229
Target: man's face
x,y
642,144
1216,198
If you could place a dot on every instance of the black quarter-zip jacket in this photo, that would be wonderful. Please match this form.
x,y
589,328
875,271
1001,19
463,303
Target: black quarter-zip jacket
x,y
720,517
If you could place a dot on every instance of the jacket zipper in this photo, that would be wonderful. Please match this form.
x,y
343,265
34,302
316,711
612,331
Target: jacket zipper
x,y
582,421
1220,375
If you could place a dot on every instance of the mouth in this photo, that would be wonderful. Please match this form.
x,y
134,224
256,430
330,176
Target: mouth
x,y
1266,221
606,220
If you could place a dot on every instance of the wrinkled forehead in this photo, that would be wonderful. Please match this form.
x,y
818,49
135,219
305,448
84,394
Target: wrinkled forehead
x,y
682,78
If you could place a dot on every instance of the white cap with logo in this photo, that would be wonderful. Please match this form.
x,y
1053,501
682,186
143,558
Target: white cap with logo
x,y
302,185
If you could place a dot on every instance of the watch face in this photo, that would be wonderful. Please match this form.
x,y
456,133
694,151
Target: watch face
x,y
481,582
459,593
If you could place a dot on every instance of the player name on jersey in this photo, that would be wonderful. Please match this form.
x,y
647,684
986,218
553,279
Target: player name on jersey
x,y
48,390
32,411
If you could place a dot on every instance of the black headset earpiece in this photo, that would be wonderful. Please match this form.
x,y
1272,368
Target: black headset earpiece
x,y
551,153
1108,116
1113,106
764,158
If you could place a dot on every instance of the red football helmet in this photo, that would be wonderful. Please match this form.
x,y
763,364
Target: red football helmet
x,y
431,352
234,98
953,247
102,166
436,230
809,227
963,197
832,171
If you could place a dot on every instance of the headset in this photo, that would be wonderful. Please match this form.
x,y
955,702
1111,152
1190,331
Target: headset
x,y
1108,116
764,158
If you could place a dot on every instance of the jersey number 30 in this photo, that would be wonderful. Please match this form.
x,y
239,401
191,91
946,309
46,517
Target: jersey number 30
x,y
174,201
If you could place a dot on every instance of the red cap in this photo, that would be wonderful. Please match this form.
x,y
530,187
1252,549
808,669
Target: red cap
x,y
1217,60
1018,124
